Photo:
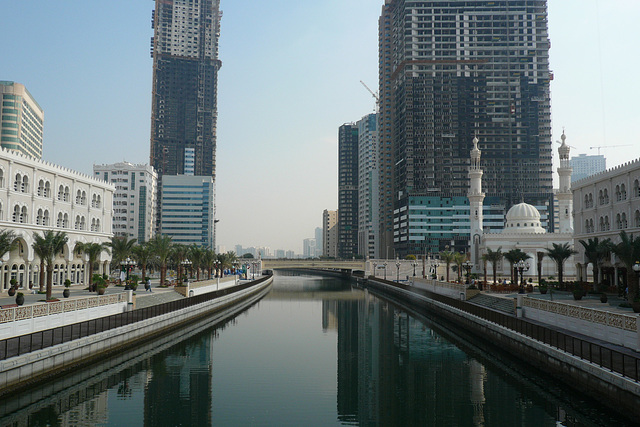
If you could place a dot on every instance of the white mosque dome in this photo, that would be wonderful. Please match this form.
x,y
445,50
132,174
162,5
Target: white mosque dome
x,y
523,218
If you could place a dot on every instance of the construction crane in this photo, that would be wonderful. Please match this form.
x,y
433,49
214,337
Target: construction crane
x,y
609,146
375,95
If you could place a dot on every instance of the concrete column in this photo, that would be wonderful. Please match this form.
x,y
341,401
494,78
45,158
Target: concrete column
x,y
26,275
519,302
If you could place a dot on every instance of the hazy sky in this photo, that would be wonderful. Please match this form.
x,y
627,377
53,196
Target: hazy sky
x,y
290,78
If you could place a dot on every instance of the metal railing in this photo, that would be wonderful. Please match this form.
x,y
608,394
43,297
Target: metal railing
x,y
24,344
625,364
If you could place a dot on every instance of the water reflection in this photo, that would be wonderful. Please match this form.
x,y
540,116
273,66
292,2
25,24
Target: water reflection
x,y
312,352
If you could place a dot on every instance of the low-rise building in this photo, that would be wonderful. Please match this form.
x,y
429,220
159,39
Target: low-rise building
x,y
134,201
36,196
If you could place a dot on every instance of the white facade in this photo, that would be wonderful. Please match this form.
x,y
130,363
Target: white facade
x,y
188,209
604,205
37,196
135,198
524,226
21,121
368,214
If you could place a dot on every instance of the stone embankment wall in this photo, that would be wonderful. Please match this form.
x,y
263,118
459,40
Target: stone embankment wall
x,y
20,371
619,392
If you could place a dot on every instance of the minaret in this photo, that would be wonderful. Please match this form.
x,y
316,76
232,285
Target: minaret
x,y
476,197
565,197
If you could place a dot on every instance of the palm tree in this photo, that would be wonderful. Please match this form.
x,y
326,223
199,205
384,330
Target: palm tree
x,y
121,248
93,250
448,258
179,253
458,259
143,256
494,257
196,256
628,251
514,256
161,246
52,243
226,260
207,260
560,253
8,242
595,251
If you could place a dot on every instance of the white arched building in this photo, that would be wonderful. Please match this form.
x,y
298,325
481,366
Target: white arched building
x,y
523,227
35,196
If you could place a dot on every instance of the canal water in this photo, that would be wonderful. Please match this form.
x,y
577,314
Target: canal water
x,y
312,352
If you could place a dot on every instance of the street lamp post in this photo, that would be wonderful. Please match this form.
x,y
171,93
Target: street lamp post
x,y
467,266
398,268
385,271
414,264
126,264
521,266
375,265
186,264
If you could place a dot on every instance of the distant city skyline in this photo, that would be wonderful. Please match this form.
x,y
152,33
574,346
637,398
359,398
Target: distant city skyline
x,y
277,127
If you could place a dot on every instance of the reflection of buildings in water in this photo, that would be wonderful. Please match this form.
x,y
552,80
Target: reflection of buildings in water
x,y
90,412
477,376
189,374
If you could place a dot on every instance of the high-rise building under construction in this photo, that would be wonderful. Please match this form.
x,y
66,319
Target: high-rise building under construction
x,y
185,78
451,70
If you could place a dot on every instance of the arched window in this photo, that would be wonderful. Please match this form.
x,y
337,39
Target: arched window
x,y
586,226
636,188
17,183
23,215
77,223
16,214
39,217
636,220
61,193
98,202
623,192
618,222
59,221
65,221
41,188
601,224
607,225
67,194
618,194
1,178
93,201
47,189
83,223
25,184
586,200
83,198
601,198
624,220
590,200
606,196
45,218
1,212
78,197
98,225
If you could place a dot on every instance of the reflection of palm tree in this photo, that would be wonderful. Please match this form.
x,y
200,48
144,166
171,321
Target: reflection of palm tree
x,y
93,251
52,243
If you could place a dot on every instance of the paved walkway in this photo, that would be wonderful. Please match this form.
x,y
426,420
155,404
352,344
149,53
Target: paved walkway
x,y
143,298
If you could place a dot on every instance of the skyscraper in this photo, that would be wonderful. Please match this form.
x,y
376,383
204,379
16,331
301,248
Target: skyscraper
x,y
21,120
367,186
584,165
185,78
451,70
348,190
